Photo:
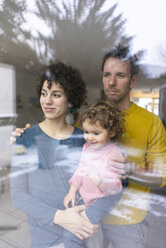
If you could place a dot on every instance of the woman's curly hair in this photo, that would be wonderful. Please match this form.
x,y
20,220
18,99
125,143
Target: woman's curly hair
x,y
108,115
68,78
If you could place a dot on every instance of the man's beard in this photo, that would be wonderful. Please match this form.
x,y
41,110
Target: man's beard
x,y
118,98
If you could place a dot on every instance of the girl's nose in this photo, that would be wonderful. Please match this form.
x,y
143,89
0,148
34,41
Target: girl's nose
x,y
90,136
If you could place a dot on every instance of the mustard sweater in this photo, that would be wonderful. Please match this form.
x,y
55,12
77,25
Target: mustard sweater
x,y
144,141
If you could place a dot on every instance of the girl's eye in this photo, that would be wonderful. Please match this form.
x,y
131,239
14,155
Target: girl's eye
x,y
96,133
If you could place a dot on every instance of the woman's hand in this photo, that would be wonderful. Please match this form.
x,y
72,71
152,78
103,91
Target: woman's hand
x,y
18,132
121,166
72,220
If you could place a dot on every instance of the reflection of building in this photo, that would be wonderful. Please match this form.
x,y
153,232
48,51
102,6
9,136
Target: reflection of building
x,y
147,93
147,100
162,105
7,112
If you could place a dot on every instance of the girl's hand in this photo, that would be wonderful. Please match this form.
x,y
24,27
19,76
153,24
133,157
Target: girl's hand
x,y
69,198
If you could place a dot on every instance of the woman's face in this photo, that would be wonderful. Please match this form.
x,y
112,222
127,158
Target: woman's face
x,y
53,101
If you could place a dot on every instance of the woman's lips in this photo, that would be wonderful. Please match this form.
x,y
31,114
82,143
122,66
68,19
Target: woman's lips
x,y
49,109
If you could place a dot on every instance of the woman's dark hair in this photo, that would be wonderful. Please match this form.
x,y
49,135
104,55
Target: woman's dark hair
x,y
68,78
107,114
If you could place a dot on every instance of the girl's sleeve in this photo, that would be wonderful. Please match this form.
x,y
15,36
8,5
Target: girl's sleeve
x,y
76,179
103,206
112,184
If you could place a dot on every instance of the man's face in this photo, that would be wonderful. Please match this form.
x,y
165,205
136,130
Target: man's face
x,y
117,80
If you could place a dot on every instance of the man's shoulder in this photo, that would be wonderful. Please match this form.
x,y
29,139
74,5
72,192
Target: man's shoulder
x,y
143,113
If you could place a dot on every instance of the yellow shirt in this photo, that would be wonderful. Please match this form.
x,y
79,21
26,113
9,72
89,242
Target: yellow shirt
x,y
144,141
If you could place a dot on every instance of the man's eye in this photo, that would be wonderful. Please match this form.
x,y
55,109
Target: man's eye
x,y
121,75
106,75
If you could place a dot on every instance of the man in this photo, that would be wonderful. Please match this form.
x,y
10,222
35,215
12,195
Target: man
x,y
144,141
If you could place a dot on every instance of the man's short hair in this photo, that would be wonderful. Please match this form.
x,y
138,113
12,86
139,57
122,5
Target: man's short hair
x,y
123,53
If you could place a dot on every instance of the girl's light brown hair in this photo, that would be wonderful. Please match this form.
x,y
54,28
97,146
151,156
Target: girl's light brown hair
x,y
107,114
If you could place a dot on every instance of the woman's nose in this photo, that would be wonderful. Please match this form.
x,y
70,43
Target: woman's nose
x,y
49,99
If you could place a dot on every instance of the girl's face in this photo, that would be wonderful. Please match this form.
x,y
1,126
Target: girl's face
x,y
53,101
95,135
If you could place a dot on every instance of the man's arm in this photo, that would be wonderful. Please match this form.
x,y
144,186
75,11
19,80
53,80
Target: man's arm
x,y
121,166
155,169
145,176
154,172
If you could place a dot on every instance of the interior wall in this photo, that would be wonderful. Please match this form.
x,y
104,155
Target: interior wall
x,y
27,111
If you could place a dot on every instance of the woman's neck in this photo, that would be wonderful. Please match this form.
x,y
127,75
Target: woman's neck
x,y
58,130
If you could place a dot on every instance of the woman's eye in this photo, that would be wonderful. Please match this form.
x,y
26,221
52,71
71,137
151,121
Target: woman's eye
x,y
43,94
57,95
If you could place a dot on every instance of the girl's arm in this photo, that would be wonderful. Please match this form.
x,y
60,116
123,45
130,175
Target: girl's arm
x,y
70,197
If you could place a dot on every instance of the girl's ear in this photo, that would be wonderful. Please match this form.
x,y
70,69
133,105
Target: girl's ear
x,y
69,105
112,134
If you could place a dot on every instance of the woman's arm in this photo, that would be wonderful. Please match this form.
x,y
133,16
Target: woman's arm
x,y
102,207
23,199
69,219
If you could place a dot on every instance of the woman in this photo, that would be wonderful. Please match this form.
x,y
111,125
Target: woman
x,y
49,155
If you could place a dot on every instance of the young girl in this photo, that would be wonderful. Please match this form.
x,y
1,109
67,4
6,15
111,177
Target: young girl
x,y
102,124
